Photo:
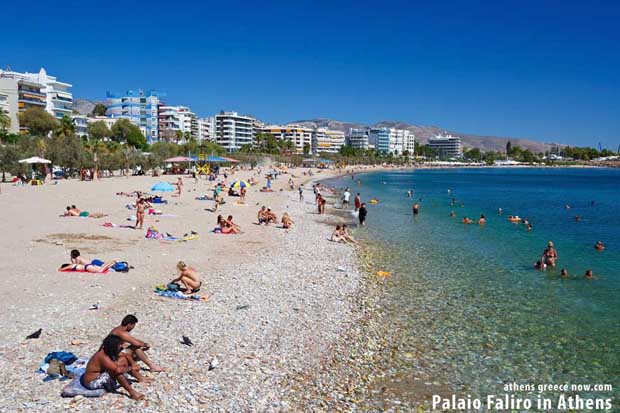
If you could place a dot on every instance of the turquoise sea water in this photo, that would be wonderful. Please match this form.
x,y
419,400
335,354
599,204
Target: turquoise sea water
x,y
476,315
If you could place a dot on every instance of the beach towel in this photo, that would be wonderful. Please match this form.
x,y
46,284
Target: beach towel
x,y
111,225
75,388
70,269
178,295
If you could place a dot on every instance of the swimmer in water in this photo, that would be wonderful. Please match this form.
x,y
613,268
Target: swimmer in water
x,y
529,226
452,214
564,273
466,220
599,246
589,275
409,193
482,220
539,265
500,211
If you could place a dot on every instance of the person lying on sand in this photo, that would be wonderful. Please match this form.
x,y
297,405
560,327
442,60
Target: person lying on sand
x,y
135,348
77,259
97,269
287,222
73,211
70,212
108,365
188,279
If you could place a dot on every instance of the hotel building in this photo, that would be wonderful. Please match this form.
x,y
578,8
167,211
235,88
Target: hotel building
x,y
390,140
206,126
173,119
357,138
141,108
298,135
232,130
446,146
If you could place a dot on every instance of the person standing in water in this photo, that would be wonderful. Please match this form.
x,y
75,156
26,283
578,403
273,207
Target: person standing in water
x,y
362,214
357,201
550,255
416,209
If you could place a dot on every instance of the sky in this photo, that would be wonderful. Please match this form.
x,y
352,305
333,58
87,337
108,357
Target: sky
x,y
545,70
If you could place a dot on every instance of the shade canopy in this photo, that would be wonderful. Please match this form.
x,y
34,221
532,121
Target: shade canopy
x,y
240,184
179,159
162,187
35,159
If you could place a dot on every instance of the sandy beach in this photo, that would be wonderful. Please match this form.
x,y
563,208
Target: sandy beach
x,y
277,300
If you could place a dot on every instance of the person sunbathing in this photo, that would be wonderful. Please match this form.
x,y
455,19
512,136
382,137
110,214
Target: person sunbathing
x,y
262,215
337,235
234,226
77,259
346,236
109,365
188,278
287,222
136,347
97,269
70,212
74,211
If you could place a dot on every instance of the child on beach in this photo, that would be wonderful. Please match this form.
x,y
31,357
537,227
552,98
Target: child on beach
x,y
287,222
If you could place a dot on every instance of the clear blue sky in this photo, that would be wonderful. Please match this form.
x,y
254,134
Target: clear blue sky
x,y
547,70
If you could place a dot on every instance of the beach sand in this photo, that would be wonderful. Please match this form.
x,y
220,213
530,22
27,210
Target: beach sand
x,y
298,303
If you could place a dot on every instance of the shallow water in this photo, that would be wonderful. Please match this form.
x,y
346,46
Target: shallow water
x,y
474,312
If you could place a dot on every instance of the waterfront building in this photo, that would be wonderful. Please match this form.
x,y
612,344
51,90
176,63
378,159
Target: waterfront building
x,y
232,130
391,140
24,90
206,128
446,146
177,119
357,138
327,140
141,108
81,124
300,136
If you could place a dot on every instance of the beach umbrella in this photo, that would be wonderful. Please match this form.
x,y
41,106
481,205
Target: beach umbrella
x,y
216,159
35,159
162,187
240,184
179,159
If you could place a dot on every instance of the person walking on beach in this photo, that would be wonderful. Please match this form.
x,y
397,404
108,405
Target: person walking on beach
x,y
362,214
136,347
357,201
179,186
141,206
301,193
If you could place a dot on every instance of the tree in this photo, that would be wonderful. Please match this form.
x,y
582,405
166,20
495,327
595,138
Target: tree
x,y
66,127
125,131
178,135
98,130
99,110
473,154
5,121
37,121
306,149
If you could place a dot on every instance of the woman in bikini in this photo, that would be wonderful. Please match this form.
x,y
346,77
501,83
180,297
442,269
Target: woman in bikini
x,y
287,222
550,255
97,269
141,206
188,277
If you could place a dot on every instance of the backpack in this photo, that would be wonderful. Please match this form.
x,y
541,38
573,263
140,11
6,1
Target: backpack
x,y
121,266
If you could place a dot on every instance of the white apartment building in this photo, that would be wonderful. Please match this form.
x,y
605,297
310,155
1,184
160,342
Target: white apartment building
x,y
206,128
24,90
81,125
232,130
391,140
140,107
326,140
446,146
173,119
357,138
300,136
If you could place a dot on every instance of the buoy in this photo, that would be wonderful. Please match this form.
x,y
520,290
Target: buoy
x,y
383,273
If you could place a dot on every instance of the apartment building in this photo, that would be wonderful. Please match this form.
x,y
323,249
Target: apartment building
x,y
326,140
300,136
357,138
141,108
391,140
232,130
446,146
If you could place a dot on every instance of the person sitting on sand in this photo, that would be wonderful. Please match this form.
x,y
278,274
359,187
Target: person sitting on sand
x,y
271,217
97,269
482,220
550,255
588,275
141,206
188,278
108,365
346,236
234,226
262,215
599,246
287,222
135,348
77,259
466,220
564,273
337,234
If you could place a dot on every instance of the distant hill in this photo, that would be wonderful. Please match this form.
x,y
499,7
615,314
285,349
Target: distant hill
x,y
422,133
84,106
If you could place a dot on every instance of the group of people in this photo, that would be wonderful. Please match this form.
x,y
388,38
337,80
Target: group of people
x,y
227,226
73,211
341,234
266,216
550,257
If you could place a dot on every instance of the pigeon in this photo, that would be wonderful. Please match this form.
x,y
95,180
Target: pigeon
x,y
214,363
94,307
187,341
242,307
36,334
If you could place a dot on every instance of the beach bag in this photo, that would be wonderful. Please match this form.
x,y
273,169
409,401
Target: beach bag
x,y
173,287
64,356
98,263
122,266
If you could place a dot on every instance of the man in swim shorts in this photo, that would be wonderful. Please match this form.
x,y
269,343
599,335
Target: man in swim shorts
x,y
136,347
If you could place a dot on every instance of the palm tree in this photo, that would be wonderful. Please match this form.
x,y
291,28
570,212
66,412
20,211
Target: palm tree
x,y
5,121
66,127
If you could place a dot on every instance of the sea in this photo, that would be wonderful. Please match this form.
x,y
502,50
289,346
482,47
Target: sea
x,y
472,313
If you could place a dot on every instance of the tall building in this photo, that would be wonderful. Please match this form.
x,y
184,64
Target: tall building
x,y
81,125
141,108
173,119
24,90
206,128
446,146
357,138
326,140
232,130
391,140
300,136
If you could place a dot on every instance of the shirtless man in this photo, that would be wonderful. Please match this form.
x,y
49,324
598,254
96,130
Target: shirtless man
x,y
416,209
262,217
234,226
77,259
270,216
466,220
70,212
188,276
141,206
179,186
136,347
108,366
